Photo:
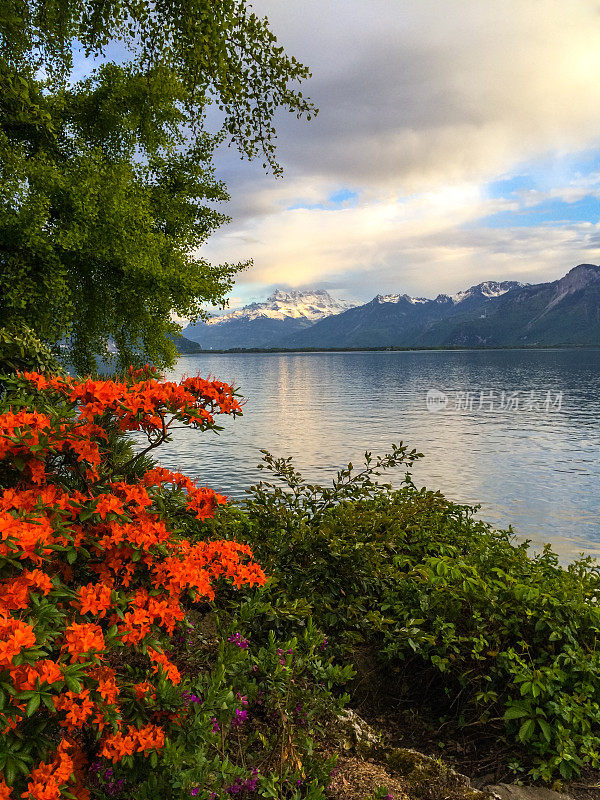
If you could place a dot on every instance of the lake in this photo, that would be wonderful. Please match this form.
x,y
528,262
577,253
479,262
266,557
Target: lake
x,y
514,430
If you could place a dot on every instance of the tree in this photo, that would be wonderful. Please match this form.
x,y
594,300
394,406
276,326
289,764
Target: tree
x,y
107,184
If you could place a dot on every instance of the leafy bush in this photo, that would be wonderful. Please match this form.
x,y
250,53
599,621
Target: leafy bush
x,y
461,618
123,674
106,689
21,349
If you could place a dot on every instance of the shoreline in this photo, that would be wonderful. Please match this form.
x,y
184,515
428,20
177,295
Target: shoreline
x,y
390,349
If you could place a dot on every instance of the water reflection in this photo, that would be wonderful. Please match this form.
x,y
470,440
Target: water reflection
x,y
536,470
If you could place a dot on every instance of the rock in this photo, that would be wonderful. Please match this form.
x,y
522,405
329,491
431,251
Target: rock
x,y
507,791
356,734
483,780
429,778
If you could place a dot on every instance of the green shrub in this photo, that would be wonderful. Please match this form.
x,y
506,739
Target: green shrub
x,y
463,619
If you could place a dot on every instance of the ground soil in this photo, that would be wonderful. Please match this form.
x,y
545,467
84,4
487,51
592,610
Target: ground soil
x,y
484,758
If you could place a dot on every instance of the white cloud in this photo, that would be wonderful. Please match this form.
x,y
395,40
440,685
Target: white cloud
x,y
420,245
422,103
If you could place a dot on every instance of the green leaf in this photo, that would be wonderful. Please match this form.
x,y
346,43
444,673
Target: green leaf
x,y
33,705
546,729
514,712
526,730
73,684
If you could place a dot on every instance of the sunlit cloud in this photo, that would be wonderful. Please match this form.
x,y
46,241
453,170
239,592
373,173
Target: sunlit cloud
x,y
449,140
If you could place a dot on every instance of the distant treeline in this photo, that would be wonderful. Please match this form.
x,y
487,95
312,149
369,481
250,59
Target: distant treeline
x,y
191,348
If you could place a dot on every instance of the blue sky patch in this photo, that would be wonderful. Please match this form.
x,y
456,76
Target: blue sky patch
x,y
341,198
550,212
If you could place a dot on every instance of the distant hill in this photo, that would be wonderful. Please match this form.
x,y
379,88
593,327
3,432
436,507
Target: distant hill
x,y
265,324
186,346
490,314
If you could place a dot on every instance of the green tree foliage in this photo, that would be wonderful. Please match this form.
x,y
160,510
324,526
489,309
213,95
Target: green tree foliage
x,y
106,184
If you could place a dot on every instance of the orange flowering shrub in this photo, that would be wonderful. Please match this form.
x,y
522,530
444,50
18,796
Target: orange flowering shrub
x,y
93,577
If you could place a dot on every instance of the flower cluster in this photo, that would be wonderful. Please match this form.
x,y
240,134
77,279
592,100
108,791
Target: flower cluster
x,y
244,785
241,786
284,655
190,697
93,577
238,640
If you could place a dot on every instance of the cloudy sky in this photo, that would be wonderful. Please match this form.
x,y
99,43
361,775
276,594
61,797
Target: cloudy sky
x,y
457,141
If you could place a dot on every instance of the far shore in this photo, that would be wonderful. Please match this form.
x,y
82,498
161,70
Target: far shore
x,y
242,350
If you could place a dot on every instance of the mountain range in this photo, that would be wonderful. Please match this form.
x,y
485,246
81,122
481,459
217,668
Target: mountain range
x,y
266,324
490,314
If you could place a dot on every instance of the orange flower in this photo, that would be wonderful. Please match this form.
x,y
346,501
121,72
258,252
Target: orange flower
x,y
47,780
26,537
48,671
169,669
143,689
5,793
150,737
116,745
94,598
116,536
108,504
147,738
107,684
38,580
78,708
84,639
25,676
15,636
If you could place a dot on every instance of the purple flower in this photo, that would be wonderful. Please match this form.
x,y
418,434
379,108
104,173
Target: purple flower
x,y
283,654
238,639
195,791
216,727
191,698
241,715
245,786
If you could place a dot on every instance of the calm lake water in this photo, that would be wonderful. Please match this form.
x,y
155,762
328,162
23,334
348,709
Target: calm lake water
x,y
519,432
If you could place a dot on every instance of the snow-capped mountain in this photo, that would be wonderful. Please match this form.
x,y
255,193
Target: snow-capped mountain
x,y
487,289
396,298
311,306
493,313
265,324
